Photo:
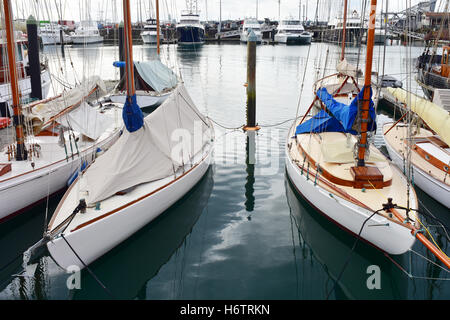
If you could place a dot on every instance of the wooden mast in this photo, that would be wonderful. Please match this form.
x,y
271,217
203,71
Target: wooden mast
x,y
157,27
128,50
21,153
367,86
344,30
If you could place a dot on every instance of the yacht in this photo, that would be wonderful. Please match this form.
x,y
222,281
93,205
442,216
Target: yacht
x,y
253,24
292,32
190,31
355,29
50,33
149,35
86,33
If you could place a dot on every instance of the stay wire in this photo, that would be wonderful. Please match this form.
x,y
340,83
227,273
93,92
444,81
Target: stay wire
x,y
351,252
88,269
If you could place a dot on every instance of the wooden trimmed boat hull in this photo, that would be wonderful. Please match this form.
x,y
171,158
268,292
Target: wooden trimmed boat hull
x,y
379,231
433,187
23,191
95,239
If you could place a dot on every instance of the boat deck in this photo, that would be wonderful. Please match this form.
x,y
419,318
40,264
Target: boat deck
x,y
332,152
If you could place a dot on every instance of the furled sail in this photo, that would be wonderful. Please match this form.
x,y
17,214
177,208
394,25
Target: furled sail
x,y
348,69
436,117
43,112
340,117
169,138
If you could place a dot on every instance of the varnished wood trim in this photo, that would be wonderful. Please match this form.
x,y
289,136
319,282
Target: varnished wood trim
x,y
332,178
134,201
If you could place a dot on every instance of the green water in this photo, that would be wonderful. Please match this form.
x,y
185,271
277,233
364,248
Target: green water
x,y
242,232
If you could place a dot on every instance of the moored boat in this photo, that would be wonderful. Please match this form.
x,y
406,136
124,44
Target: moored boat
x,y
136,180
429,148
333,166
292,32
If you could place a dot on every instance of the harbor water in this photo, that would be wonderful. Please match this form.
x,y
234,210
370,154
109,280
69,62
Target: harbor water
x,y
242,232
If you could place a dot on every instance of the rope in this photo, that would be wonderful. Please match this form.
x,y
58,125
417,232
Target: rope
x,y
88,269
351,252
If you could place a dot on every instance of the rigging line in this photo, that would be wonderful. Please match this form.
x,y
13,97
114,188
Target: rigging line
x,y
429,260
303,82
87,268
351,252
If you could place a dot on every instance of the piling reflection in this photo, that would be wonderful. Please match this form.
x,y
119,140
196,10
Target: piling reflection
x,y
330,246
250,149
126,270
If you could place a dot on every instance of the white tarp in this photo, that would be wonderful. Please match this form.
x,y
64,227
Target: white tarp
x,y
151,153
348,69
41,113
87,121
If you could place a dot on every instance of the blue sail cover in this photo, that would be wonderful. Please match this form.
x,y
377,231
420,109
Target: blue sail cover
x,y
342,116
132,114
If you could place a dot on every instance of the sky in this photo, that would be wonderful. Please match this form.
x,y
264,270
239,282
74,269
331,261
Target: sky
x,y
209,9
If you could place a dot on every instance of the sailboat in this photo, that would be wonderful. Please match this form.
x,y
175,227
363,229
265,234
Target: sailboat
x,y
154,81
47,150
344,177
137,179
430,151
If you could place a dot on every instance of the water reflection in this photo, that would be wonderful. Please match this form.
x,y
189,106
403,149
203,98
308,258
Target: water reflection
x,y
250,181
331,246
126,270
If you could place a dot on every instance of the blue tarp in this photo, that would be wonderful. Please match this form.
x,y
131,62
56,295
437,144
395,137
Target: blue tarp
x,y
132,114
341,117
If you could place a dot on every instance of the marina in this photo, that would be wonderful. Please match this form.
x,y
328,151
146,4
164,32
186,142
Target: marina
x,y
270,205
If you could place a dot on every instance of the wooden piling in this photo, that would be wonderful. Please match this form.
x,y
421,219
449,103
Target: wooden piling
x,y
251,82
33,58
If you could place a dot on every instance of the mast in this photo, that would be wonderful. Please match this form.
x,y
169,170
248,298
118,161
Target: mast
x,y
344,30
21,153
367,85
256,9
131,113
157,27
128,50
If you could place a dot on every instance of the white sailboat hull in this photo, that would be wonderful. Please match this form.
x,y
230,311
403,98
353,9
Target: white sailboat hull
x,y
143,100
24,190
95,239
386,236
433,187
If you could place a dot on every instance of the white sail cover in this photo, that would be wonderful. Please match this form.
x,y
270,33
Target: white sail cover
x,y
348,69
170,137
87,121
436,117
41,113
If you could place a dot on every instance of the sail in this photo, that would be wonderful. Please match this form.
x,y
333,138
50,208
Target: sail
x,y
436,117
345,116
170,137
43,112
348,69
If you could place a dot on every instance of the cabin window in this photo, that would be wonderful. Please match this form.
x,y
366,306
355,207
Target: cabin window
x,y
446,168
